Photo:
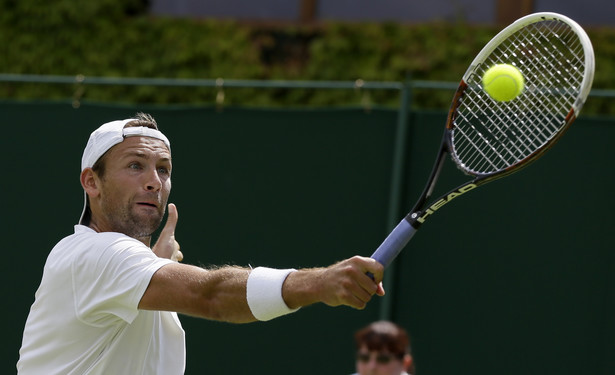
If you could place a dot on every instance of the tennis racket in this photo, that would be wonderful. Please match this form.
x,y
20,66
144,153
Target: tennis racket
x,y
488,139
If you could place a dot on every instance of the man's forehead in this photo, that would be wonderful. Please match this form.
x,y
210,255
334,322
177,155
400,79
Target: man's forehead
x,y
142,145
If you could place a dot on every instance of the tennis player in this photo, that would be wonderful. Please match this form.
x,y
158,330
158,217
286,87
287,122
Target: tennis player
x,y
108,302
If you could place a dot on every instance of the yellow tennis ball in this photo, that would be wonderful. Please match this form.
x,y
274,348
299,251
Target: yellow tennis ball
x,y
503,82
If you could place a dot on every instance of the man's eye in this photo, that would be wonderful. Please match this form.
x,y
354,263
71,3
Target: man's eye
x,y
163,170
134,166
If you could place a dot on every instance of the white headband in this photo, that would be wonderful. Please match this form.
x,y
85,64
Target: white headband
x,y
112,133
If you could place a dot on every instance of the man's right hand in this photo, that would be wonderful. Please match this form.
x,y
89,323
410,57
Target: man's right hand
x,y
343,283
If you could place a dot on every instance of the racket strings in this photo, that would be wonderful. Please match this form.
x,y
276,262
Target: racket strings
x,y
491,136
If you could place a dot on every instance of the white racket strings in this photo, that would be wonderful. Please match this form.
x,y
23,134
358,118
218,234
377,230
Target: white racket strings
x,y
490,136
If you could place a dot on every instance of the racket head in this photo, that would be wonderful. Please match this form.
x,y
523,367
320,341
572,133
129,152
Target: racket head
x,y
488,138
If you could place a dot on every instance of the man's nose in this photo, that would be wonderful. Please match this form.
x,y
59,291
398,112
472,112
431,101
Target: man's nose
x,y
153,181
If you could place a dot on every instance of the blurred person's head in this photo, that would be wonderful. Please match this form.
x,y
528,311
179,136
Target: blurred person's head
x,y
383,348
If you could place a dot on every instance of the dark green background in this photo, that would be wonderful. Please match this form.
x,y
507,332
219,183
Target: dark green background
x,y
514,278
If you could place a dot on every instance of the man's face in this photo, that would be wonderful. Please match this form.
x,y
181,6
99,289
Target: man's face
x,y
135,187
378,363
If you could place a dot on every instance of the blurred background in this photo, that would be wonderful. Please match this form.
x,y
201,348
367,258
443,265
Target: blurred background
x,y
302,132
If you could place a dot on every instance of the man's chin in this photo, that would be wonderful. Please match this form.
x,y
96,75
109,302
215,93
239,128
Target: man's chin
x,y
145,225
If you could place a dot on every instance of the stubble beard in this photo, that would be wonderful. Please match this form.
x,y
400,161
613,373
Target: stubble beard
x,y
125,220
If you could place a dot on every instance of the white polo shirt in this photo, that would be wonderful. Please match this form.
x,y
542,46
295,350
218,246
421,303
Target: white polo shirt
x,y
85,319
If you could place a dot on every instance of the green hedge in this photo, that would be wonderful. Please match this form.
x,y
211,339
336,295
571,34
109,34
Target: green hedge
x,y
118,39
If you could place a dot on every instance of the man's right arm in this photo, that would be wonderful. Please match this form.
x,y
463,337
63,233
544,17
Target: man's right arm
x,y
223,294
220,294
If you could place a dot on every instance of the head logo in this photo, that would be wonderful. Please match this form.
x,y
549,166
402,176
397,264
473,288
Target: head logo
x,y
444,200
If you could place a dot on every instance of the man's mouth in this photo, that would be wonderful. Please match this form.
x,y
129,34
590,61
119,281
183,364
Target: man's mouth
x,y
147,204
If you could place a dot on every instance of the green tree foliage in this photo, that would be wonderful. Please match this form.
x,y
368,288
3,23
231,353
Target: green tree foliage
x,y
113,38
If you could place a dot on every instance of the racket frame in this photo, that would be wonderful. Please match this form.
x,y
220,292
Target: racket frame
x,y
421,211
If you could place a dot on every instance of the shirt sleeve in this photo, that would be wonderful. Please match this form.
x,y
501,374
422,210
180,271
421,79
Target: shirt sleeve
x,y
109,282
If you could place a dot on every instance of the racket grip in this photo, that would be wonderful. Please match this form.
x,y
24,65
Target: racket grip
x,y
394,243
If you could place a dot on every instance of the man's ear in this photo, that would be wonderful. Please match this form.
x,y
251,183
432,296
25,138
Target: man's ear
x,y
89,182
408,362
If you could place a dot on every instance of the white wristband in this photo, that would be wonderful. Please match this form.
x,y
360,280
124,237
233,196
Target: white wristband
x,y
264,293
